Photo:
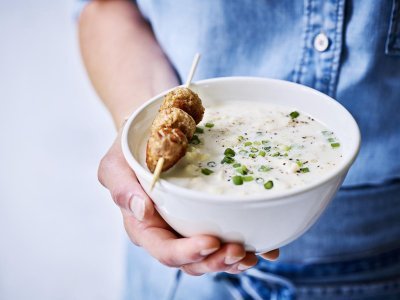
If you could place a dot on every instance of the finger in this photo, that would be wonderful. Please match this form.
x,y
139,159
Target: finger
x,y
162,243
116,175
271,255
246,263
221,260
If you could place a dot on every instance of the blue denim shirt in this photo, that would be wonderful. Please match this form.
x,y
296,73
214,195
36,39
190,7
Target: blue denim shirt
x,y
356,60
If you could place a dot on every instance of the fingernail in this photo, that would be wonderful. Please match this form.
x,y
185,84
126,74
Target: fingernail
x,y
230,260
137,207
206,252
242,267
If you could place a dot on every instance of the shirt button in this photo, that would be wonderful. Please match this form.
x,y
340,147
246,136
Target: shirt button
x,y
321,42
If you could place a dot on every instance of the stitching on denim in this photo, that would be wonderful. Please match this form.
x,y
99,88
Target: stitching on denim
x,y
338,46
394,32
298,70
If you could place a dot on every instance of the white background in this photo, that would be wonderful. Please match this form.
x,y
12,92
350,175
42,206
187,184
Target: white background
x,y
61,235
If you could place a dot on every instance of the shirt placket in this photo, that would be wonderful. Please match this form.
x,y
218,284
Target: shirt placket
x,y
322,40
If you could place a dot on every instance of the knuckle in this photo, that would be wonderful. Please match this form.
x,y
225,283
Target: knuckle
x,y
189,271
167,261
121,198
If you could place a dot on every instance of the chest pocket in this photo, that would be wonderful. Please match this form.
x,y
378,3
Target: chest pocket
x,y
393,39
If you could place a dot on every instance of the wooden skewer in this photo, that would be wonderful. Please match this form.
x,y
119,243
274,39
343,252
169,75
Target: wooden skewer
x,y
160,162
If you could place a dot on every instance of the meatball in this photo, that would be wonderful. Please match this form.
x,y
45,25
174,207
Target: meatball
x,y
187,100
169,143
175,118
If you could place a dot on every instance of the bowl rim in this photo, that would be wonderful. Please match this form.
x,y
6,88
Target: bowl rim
x,y
194,195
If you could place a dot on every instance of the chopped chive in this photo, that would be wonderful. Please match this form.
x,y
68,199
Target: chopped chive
x,y
269,185
237,165
267,148
257,143
229,152
264,142
240,138
227,159
209,125
248,178
211,164
331,140
237,180
299,163
195,140
243,152
276,154
199,130
242,170
304,170
288,148
326,132
264,169
294,114
253,149
259,180
262,153
247,144
335,145
206,171
252,155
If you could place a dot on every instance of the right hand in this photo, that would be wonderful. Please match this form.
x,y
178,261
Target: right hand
x,y
145,227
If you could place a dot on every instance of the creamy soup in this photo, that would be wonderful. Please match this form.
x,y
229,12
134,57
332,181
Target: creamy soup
x,y
251,148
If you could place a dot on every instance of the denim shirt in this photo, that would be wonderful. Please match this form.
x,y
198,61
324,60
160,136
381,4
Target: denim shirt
x,y
349,50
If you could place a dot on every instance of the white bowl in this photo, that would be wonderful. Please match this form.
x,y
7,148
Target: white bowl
x,y
262,222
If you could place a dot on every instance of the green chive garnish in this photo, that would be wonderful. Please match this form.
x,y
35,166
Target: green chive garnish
x,y
262,153
229,152
248,178
304,170
267,148
253,149
326,132
294,114
299,163
243,152
195,140
335,145
240,138
252,155
209,125
237,165
257,143
288,148
237,180
269,185
247,143
264,142
206,171
227,159
199,130
331,140
264,169
276,154
242,170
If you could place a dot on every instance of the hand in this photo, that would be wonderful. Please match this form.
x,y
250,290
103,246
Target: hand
x,y
145,227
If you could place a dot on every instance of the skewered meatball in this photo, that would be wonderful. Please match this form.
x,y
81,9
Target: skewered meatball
x,y
174,118
169,143
185,99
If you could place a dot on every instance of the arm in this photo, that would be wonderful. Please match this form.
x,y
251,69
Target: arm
x,y
127,67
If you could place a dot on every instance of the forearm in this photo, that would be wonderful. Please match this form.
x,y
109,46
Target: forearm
x,y
124,61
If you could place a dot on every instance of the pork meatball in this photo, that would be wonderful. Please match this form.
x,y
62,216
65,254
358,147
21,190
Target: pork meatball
x,y
170,143
174,118
187,100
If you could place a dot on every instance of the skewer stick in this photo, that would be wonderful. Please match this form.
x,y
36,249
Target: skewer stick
x,y
160,162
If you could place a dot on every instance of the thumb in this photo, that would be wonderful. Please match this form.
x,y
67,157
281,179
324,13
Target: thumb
x,y
116,175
